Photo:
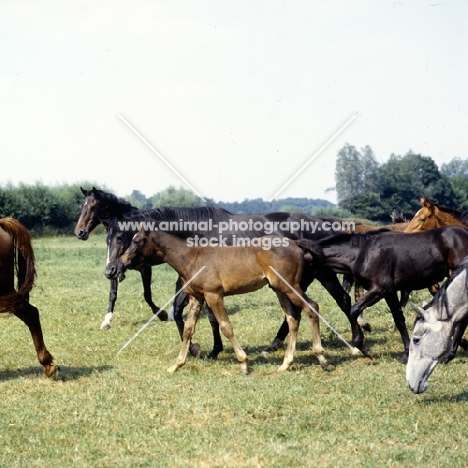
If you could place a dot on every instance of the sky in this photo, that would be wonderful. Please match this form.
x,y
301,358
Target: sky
x,y
228,98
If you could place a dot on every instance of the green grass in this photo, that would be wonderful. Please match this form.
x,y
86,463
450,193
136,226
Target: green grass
x,y
127,410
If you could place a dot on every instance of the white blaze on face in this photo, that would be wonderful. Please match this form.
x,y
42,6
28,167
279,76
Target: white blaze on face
x,y
108,255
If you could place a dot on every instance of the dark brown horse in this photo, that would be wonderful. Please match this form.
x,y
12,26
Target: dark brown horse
x,y
101,207
387,262
16,254
210,273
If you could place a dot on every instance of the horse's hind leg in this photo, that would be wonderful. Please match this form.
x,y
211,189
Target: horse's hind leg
x,y
217,342
189,330
312,310
293,318
217,305
30,316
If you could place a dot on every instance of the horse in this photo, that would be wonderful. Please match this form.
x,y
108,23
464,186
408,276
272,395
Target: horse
x,y
213,272
99,207
119,238
439,326
385,262
431,215
16,254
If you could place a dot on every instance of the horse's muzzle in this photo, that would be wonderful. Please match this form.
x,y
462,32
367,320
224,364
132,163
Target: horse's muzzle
x,y
82,234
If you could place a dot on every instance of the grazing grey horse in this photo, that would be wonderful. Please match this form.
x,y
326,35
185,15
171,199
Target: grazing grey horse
x,y
438,329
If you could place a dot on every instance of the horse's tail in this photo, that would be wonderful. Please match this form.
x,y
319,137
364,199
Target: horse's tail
x,y
24,264
313,253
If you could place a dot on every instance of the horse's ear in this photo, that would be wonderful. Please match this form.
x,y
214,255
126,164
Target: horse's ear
x,y
83,191
419,310
427,204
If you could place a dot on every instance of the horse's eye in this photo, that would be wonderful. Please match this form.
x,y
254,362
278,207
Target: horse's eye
x,y
416,340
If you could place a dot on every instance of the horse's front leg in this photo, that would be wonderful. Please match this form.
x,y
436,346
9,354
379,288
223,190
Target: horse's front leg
x,y
189,330
216,302
146,274
106,323
399,319
372,296
217,341
177,310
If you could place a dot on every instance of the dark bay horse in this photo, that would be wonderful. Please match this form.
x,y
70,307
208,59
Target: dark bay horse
x,y
439,326
210,273
16,254
387,262
99,207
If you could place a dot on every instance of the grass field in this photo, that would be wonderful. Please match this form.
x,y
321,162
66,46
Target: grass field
x,y
128,411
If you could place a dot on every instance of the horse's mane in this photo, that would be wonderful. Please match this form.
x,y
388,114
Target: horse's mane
x,y
441,300
170,213
109,199
459,215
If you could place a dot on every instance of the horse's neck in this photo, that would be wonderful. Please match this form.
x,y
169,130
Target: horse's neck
x,y
445,219
175,251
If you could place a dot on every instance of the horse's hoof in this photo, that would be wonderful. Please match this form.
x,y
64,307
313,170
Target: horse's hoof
x,y
105,326
212,357
52,371
265,354
243,369
173,368
162,315
195,350
283,368
274,346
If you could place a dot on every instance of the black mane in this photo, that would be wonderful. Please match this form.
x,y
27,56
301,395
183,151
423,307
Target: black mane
x,y
169,213
441,300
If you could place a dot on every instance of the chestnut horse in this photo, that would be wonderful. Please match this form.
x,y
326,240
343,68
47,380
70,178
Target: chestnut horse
x,y
431,215
16,254
210,273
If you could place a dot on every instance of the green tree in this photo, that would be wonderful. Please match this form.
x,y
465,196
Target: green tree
x,y
176,197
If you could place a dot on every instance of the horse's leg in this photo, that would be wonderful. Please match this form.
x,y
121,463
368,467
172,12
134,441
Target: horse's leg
x,y
217,341
293,318
189,330
399,319
312,310
30,316
347,284
215,301
146,274
457,340
279,338
106,323
358,294
180,302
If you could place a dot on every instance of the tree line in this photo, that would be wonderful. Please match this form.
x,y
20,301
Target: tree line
x,y
371,190
47,210
365,189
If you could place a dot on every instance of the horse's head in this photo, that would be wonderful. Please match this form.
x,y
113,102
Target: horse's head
x,y
429,342
118,240
433,335
136,252
425,218
89,217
